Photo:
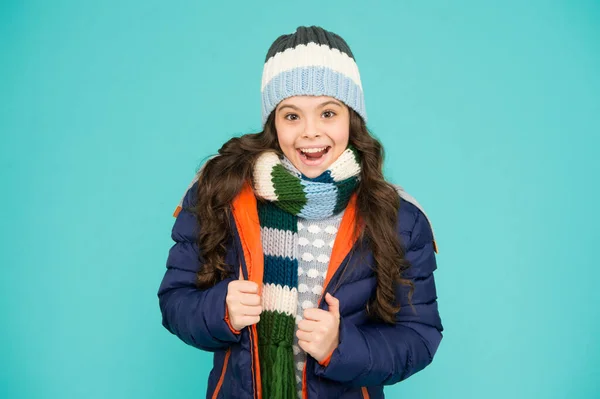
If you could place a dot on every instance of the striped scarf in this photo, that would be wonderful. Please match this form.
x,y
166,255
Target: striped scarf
x,y
290,195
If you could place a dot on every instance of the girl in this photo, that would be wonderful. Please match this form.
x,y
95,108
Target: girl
x,y
295,262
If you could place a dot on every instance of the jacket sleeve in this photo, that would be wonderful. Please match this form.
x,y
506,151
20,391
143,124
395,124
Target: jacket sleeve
x,y
384,354
196,316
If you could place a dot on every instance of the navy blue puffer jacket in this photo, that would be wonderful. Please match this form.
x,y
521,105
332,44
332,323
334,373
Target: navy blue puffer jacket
x,y
369,356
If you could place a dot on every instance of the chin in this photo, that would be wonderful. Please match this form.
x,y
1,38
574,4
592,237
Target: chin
x,y
312,174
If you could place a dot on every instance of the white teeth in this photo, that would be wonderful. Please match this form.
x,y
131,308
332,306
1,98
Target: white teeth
x,y
311,150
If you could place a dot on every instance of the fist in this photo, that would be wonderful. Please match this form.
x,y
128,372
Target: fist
x,y
318,333
243,303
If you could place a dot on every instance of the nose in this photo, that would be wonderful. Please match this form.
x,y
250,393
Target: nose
x,y
312,134
311,130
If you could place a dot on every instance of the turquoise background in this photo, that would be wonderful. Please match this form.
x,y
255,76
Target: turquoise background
x,y
489,112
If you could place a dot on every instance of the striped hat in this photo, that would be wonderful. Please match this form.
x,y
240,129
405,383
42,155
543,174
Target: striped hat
x,y
311,61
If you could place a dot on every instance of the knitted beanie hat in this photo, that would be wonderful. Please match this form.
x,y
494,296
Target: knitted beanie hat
x,y
311,61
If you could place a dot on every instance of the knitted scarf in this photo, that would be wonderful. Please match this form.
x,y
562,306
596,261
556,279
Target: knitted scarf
x,y
286,195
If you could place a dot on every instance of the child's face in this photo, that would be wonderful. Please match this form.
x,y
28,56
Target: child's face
x,y
312,131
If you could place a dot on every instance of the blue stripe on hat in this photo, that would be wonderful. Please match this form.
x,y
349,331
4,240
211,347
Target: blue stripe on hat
x,y
312,81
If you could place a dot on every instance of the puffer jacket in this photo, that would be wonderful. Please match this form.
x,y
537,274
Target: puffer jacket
x,y
369,356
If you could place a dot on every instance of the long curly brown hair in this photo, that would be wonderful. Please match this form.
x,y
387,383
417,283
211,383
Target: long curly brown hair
x,y
223,176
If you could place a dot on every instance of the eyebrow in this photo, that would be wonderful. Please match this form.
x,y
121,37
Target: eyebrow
x,y
320,105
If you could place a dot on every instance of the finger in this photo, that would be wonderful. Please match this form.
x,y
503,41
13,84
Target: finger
x,y
249,320
334,305
251,310
304,345
248,287
303,335
250,299
308,325
315,314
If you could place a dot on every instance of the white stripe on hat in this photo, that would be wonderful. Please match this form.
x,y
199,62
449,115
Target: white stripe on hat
x,y
310,54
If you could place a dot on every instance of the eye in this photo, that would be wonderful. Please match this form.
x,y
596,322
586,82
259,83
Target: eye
x,y
295,116
328,112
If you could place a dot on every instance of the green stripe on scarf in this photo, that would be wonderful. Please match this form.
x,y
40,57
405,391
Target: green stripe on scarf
x,y
276,355
290,188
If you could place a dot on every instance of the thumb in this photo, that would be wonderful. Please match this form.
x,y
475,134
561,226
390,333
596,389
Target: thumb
x,y
334,305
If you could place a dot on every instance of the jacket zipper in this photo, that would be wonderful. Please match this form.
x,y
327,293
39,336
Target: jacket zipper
x,y
257,387
222,377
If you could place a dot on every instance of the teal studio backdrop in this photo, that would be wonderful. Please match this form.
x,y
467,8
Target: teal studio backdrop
x,y
489,112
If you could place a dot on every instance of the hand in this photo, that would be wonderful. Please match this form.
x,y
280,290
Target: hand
x,y
243,303
318,334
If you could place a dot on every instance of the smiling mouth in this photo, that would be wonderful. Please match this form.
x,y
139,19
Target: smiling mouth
x,y
313,153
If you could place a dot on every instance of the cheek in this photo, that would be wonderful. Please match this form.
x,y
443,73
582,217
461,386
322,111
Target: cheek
x,y
340,132
285,138
341,136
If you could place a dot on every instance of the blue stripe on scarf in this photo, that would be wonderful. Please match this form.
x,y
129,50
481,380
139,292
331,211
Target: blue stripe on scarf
x,y
282,271
320,200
